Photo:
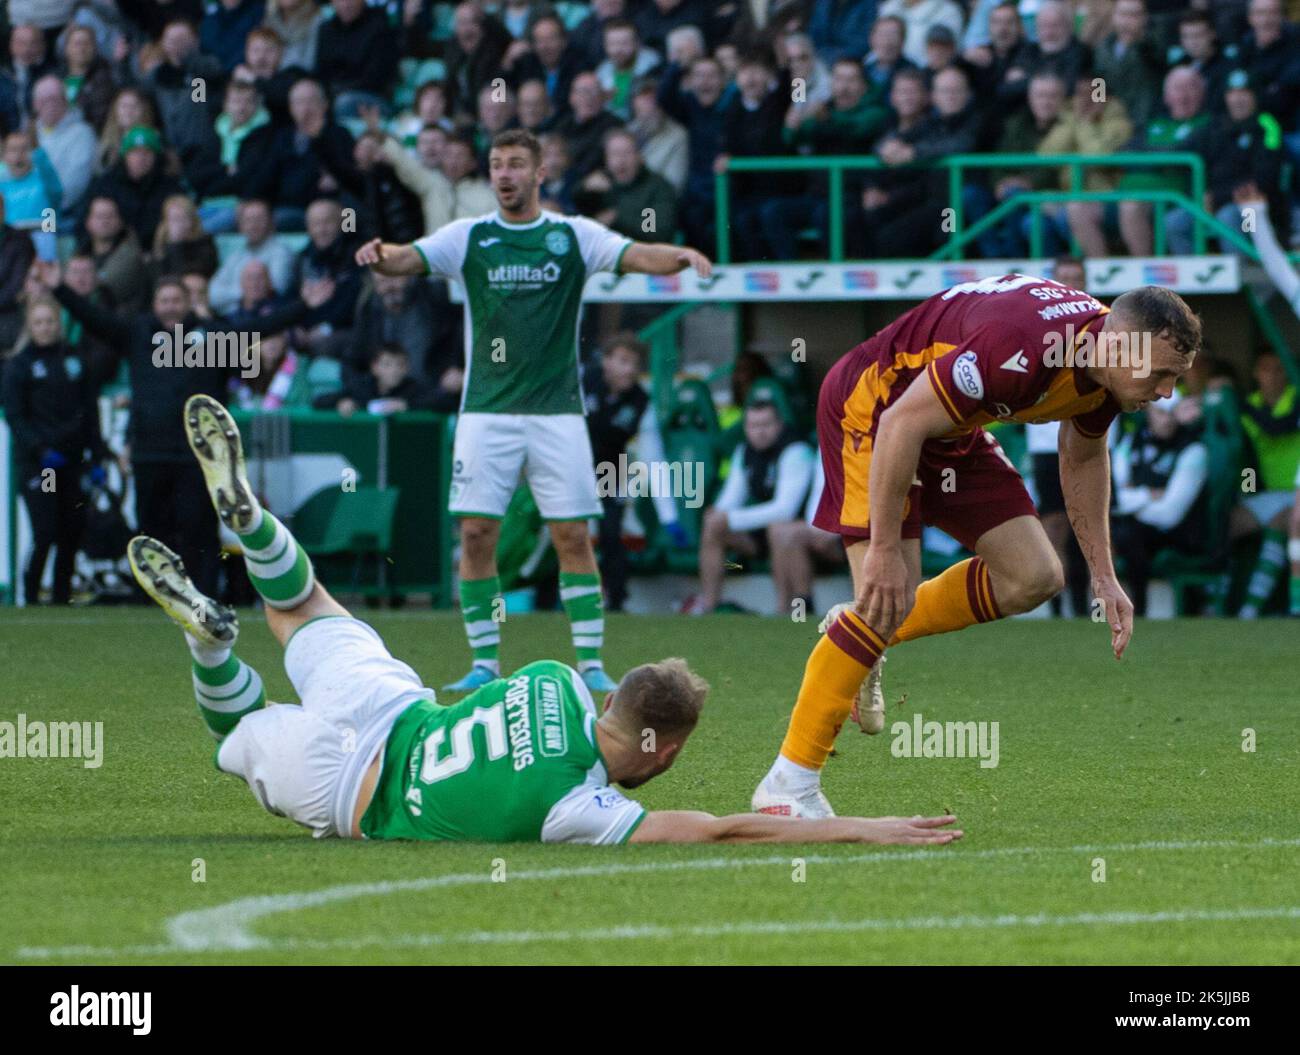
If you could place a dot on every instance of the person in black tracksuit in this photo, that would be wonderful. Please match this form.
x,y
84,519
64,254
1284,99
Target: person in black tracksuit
x,y
50,405
171,499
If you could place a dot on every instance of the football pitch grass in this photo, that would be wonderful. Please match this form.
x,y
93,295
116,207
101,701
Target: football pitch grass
x,y
1130,772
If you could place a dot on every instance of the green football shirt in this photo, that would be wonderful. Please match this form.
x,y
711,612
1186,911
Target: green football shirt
x,y
515,761
523,301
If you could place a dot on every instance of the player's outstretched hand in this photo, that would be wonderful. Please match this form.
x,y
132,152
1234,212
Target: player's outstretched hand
x,y
688,257
914,831
1119,613
370,253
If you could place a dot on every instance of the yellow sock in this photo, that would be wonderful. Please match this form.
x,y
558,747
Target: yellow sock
x,y
960,597
842,658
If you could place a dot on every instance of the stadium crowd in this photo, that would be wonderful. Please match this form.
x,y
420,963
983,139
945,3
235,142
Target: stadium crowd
x,y
215,163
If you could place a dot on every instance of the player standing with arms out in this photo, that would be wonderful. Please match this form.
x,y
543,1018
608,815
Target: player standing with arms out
x,y
523,272
899,425
371,754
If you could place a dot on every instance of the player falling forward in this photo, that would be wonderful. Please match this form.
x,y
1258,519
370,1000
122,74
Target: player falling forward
x,y
371,754
523,270
903,412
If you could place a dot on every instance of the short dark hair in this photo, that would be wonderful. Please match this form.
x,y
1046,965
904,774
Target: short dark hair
x,y
628,340
389,349
1196,18
519,137
171,279
619,23
1162,313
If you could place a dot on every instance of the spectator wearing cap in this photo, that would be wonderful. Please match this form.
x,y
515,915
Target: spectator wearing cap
x,y
1095,124
626,59
1185,113
1128,61
225,27
186,119
267,68
999,48
1240,146
1160,472
138,182
1056,51
1198,47
355,52
662,141
840,28
586,123
65,137
551,59
291,167
919,17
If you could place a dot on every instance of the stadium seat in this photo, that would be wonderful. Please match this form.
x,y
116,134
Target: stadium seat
x,y
334,523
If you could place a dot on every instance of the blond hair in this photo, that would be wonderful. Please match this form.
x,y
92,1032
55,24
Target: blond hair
x,y
666,696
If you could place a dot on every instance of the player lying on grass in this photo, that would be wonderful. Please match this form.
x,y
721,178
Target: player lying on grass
x,y
900,426
371,754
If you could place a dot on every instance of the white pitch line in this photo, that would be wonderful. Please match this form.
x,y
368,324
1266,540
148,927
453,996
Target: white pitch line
x,y
226,928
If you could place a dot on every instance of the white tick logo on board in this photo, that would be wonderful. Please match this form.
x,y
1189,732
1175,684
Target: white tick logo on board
x,y
102,1009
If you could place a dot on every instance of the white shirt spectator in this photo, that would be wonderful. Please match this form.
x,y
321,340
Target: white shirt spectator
x,y
71,146
794,475
1185,483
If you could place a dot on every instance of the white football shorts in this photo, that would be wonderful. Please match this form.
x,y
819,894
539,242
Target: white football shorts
x,y
551,451
307,762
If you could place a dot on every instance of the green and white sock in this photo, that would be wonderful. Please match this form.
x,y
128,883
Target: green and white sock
x,y
225,687
580,594
278,567
1293,555
478,599
1272,559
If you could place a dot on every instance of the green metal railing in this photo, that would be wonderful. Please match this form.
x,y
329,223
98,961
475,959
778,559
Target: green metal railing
x,y
957,166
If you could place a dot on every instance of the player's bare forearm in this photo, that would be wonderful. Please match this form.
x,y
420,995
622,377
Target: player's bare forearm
x,y
661,258
385,258
682,826
1085,483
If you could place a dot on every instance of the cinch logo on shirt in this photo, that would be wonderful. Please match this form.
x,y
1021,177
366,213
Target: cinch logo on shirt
x,y
102,1009
966,375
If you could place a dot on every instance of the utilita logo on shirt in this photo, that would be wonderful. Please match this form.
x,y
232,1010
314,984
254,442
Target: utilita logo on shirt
x,y
523,274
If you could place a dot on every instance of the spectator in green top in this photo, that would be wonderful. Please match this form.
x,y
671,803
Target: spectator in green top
x,y
1271,419
1184,95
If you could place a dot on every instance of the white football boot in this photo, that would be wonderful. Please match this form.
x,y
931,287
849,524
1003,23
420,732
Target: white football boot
x,y
775,797
214,439
162,576
869,708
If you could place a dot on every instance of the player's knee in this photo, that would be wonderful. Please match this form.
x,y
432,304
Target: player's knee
x,y
1045,579
479,536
